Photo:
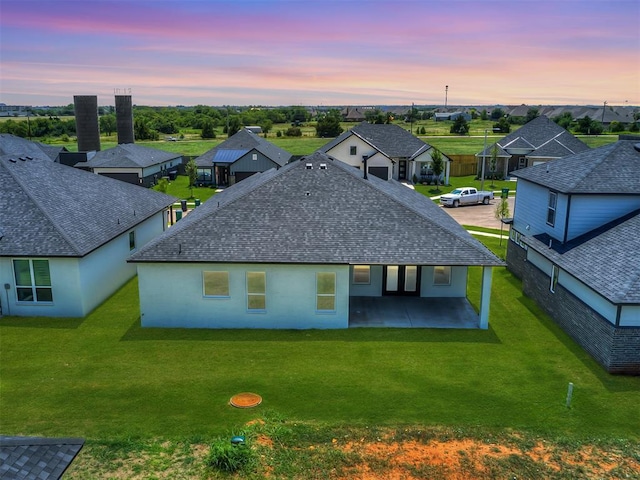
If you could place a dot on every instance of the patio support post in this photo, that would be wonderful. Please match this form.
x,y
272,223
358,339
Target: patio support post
x,y
447,172
485,296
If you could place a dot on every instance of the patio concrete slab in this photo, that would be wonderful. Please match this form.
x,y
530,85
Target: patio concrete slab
x,y
412,312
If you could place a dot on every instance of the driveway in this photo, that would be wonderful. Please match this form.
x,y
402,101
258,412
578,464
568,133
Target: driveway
x,y
479,215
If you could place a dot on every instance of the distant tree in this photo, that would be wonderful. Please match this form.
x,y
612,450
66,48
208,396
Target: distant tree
x,y
437,165
502,125
484,115
328,124
531,114
587,126
564,120
266,126
634,127
293,132
497,113
460,126
191,169
375,116
142,131
108,124
493,163
616,127
207,130
234,125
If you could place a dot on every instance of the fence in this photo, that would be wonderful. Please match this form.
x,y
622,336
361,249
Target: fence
x,y
463,165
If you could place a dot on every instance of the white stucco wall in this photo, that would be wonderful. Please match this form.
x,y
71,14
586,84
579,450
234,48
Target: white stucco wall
x,y
457,288
81,284
373,289
171,295
342,152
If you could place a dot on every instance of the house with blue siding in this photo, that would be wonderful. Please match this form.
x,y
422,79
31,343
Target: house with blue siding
x,y
575,243
312,244
65,235
133,163
239,157
387,151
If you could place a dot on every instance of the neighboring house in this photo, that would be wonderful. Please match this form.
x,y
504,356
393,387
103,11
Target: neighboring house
x,y
291,248
239,157
389,151
13,145
451,116
575,243
65,235
537,141
133,164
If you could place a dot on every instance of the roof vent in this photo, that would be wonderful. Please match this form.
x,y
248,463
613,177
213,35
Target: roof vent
x,y
28,157
323,166
309,166
637,147
23,159
12,160
307,194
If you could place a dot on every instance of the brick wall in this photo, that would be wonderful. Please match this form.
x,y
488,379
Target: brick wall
x,y
616,349
516,257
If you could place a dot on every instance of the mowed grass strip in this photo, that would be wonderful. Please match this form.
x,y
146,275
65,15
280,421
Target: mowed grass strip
x,y
105,377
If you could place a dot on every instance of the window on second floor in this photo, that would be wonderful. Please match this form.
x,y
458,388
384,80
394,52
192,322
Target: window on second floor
x,y
353,150
132,240
551,209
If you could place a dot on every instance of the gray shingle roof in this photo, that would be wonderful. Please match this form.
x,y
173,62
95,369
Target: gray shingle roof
x,y
129,155
538,133
49,209
35,458
606,259
246,141
332,215
12,145
611,169
392,140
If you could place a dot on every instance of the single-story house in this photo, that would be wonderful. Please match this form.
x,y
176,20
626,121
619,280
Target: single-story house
x,y
13,145
575,243
133,163
240,156
537,141
299,246
65,235
387,150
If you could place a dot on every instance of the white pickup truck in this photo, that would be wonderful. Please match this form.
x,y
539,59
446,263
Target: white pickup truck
x,y
466,196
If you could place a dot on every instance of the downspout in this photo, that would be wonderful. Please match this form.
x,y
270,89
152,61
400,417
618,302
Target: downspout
x,y
566,219
364,159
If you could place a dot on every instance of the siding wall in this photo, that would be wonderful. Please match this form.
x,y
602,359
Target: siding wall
x,y
588,212
171,295
531,209
616,349
247,164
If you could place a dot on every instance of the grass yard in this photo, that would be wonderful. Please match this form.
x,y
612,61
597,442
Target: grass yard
x,y
466,181
179,188
105,378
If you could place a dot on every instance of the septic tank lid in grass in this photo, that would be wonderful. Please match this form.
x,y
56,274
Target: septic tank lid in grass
x,y
245,400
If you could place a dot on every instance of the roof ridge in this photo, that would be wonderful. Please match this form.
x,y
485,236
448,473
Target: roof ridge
x,y
64,235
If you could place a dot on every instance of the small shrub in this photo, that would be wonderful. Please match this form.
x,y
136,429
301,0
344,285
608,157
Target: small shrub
x,y
279,133
415,179
163,184
293,132
226,457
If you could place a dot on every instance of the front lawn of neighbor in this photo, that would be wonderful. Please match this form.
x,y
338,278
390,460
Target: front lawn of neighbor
x,y
104,377
179,188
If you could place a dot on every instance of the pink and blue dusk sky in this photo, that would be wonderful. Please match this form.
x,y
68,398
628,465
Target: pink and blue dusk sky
x,y
321,52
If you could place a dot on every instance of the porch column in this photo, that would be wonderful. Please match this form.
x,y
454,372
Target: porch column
x,y
485,296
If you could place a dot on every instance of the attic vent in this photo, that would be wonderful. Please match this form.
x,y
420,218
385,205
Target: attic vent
x,y
12,160
309,166
23,159
323,166
28,157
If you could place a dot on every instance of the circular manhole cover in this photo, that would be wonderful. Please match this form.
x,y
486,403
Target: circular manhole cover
x,y
246,400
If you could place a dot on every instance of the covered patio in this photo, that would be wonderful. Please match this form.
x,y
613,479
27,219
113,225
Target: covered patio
x,y
412,312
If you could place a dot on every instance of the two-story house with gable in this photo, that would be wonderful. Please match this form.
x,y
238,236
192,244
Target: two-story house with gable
x,y
386,151
575,243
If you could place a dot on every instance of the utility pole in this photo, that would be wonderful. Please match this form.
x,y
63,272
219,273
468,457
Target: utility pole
x,y
446,94
603,109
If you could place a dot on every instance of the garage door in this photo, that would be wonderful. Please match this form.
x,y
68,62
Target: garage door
x,y
242,175
380,172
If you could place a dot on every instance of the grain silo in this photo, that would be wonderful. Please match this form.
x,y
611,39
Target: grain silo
x,y
124,119
87,125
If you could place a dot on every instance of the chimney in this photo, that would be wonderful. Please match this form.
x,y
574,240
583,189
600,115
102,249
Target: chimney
x,y
124,119
87,125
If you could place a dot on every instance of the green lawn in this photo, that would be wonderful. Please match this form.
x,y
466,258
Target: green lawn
x,y
467,181
180,188
104,377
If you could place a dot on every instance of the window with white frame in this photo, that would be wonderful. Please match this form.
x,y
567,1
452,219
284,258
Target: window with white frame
x,y
254,156
326,291
554,278
353,150
551,209
256,291
215,284
442,275
33,281
361,274
132,240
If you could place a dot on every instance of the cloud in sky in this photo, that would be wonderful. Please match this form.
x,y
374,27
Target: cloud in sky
x,y
287,52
